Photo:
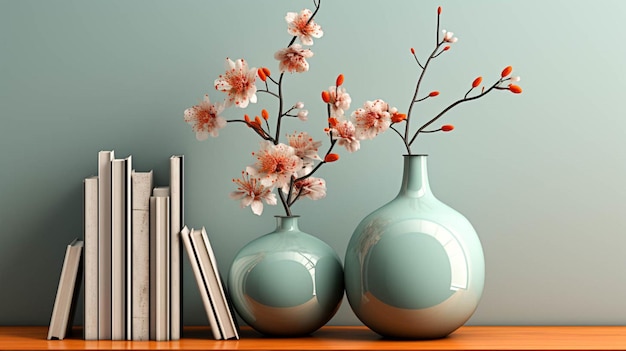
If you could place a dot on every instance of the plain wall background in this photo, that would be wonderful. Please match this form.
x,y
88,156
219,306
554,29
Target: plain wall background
x,y
540,175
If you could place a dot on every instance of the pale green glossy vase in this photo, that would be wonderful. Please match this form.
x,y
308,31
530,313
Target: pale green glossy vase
x,y
286,283
414,268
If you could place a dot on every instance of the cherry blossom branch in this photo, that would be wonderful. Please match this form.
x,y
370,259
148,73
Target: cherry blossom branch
x,y
451,106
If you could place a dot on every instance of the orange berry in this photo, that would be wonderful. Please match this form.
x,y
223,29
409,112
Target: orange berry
x,y
247,118
515,89
257,120
331,158
339,80
325,96
265,114
447,127
506,71
267,71
477,82
433,93
413,51
261,74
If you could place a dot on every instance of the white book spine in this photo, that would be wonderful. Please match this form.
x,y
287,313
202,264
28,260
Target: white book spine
x,y
120,196
159,268
141,188
90,222
104,244
222,304
176,221
202,288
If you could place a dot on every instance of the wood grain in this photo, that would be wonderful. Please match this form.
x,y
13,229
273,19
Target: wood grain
x,y
343,338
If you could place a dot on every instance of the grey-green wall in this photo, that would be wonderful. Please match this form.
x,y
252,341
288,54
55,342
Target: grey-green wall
x,y
540,175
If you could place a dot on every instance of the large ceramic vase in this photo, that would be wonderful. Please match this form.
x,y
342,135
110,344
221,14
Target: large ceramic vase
x,y
286,283
414,268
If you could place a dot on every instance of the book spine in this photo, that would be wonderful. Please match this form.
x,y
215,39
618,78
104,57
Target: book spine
x,y
176,221
141,188
208,276
159,268
90,222
222,303
202,288
104,244
120,196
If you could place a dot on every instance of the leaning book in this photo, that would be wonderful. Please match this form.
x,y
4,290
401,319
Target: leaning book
x,y
67,292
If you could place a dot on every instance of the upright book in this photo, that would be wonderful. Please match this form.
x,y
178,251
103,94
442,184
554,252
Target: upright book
x,y
140,284
176,221
90,265
160,265
120,247
67,292
104,244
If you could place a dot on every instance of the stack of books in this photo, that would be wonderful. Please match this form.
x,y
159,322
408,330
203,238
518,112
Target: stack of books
x,y
132,248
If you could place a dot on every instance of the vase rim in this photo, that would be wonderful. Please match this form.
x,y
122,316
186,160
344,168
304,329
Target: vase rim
x,y
411,155
283,216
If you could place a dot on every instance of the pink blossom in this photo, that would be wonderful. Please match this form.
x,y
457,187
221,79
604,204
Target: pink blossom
x,y
339,101
300,26
345,133
293,59
250,191
276,164
449,37
311,187
205,118
306,148
372,119
238,83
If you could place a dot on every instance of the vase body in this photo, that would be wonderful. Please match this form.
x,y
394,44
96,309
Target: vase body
x,y
286,283
414,268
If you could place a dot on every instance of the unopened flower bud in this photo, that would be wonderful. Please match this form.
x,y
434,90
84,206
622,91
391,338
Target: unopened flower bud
x,y
433,93
439,10
515,89
515,79
299,104
413,51
332,121
246,118
398,117
331,158
261,74
267,71
447,127
506,71
339,80
257,120
302,115
477,82
325,96
446,48
265,114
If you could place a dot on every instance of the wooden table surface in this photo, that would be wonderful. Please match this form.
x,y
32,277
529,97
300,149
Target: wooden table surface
x,y
343,338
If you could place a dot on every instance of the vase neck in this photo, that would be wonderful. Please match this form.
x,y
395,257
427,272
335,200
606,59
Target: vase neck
x,y
287,223
415,177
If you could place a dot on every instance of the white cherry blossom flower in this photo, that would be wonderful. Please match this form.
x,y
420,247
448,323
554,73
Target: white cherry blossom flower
x,y
372,119
448,37
276,164
344,132
293,59
299,25
250,191
311,187
205,118
238,83
339,101
306,148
